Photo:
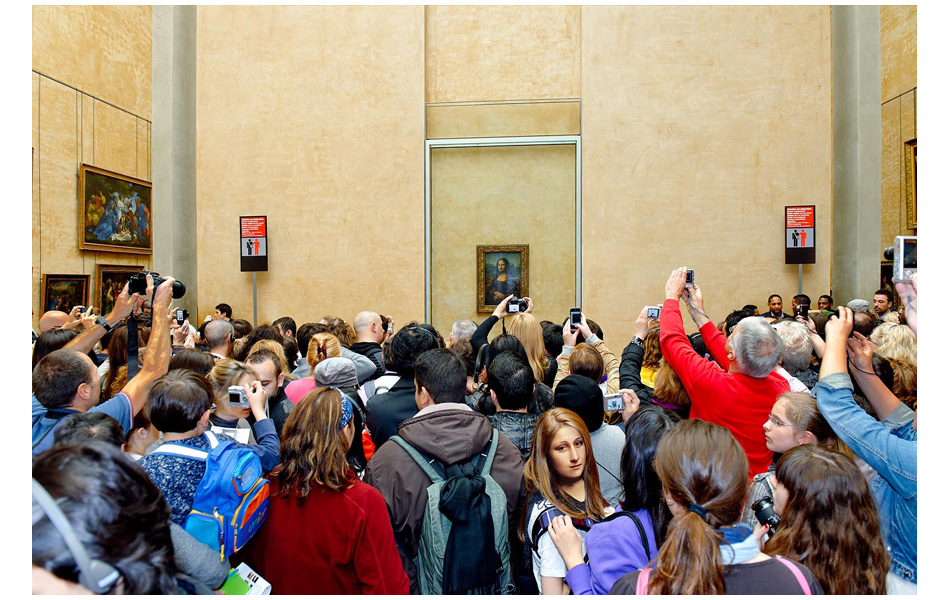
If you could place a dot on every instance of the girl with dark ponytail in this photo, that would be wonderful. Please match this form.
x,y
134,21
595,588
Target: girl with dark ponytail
x,y
703,470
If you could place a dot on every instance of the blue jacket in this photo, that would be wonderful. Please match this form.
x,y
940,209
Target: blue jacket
x,y
890,448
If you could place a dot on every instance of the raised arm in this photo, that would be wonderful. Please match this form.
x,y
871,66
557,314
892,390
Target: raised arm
x,y
570,340
677,351
158,351
631,360
861,355
480,337
124,303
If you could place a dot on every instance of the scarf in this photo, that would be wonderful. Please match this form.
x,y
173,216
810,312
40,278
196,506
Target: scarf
x,y
471,539
740,544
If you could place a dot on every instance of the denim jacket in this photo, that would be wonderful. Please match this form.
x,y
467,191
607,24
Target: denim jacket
x,y
890,447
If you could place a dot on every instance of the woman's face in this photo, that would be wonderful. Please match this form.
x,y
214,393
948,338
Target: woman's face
x,y
779,498
780,434
226,411
567,455
502,265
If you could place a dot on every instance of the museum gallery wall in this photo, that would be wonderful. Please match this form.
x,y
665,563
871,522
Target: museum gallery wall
x,y
684,151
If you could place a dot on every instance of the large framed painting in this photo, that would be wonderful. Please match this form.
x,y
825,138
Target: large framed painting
x,y
115,212
110,280
501,270
63,292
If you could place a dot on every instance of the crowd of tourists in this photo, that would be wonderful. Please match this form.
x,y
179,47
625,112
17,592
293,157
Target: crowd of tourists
x,y
768,453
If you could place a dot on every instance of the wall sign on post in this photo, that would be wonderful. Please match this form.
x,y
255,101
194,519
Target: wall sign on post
x,y
253,243
800,235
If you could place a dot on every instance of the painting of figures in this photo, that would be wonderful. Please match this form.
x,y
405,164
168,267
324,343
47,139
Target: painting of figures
x,y
115,212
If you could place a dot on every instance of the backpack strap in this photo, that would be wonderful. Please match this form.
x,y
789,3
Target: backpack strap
x,y
799,576
643,581
543,523
429,468
176,449
636,521
483,460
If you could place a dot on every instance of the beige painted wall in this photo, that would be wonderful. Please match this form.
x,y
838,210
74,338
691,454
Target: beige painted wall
x,y
313,116
699,125
502,196
105,54
479,53
898,114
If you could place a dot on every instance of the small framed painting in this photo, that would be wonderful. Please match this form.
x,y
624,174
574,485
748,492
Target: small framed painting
x,y
63,292
501,271
110,279
115,212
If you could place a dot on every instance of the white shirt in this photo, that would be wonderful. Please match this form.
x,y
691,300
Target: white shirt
x,y
547,560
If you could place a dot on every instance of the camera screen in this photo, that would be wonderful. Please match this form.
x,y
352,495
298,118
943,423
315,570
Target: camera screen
x,y
910,254
613,402
575,317
180,315
513,307
689,276
653,313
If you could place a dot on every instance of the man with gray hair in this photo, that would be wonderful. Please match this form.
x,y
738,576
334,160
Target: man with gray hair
x,y
739,389
796,358
461,330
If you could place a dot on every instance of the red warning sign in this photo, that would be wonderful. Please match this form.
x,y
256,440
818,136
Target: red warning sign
x,y
253,227
799,216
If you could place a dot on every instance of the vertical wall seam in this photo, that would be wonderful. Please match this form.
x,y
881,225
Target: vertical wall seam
x,y
82,256
39,171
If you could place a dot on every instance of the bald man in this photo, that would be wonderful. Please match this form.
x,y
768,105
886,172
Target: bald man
x,y
53,319
370,333
219,334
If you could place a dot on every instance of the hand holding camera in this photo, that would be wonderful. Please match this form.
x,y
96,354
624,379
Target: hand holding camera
x,y
642,325
88,318
676,284
907,290
631,404
518,305
256,398
569,334
501,311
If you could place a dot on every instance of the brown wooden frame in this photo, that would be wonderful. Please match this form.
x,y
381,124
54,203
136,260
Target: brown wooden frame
x,y
481,275
111,246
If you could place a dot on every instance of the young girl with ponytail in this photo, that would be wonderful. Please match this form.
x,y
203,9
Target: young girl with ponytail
x,y
703,470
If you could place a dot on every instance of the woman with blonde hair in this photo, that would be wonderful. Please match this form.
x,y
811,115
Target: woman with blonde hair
x,y
652,355
528,331
829,521
703,471
326,531
561,478
794,421
897,342
227,418
278,349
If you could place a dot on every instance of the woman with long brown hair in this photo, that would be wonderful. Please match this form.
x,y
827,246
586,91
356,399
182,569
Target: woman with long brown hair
x,y
829,521
703,470
326,531
560,474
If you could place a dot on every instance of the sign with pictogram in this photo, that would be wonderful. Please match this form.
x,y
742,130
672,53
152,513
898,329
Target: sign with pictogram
x,y
800,235
253,243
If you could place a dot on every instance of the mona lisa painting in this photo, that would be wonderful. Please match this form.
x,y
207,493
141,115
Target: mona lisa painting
x,y
501,271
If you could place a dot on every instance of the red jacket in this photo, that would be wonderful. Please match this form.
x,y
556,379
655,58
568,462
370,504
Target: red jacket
x,y
738,402
332,543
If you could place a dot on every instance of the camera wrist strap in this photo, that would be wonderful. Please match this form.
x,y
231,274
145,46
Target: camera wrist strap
x,y
133,362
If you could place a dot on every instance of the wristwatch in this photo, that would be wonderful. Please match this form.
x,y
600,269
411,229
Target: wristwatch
x,y
636,340
101,321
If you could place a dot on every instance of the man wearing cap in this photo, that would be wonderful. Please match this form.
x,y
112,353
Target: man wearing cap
x,y
335,371
583,396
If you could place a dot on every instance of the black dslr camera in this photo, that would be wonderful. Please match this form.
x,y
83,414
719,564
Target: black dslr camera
x,y
516,305
765,513
138,284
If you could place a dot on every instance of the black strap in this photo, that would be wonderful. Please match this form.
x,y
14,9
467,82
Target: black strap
x,y
478,461
133,363
640,529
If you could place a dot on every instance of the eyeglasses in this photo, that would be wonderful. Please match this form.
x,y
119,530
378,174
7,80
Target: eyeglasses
x,y
778,423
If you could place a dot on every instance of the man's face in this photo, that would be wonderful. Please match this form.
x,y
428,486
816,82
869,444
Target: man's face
x,y
267,375
775,304
218,314
379,330
824,303
94,384
794,305
881,305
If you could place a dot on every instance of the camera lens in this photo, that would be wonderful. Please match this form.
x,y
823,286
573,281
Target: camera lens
x,y
889,253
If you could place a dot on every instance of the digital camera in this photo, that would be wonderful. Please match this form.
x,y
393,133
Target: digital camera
x,y
138,284
238,397
516,305
765,513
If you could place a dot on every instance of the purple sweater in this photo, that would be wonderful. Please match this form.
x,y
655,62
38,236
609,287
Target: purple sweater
x,y
613,549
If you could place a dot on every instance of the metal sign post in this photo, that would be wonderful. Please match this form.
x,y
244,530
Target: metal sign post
x,y
253,250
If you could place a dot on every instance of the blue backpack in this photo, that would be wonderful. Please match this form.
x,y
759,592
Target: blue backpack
x,y
232,498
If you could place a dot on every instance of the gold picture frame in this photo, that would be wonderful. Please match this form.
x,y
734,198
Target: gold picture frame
x,y
495,281
910,182
110,280
115,212
63,292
